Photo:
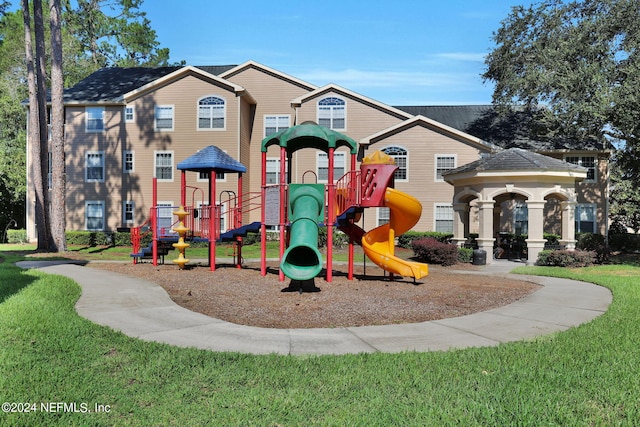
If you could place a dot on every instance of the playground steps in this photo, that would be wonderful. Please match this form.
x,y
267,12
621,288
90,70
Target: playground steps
x,y
164,246
231,235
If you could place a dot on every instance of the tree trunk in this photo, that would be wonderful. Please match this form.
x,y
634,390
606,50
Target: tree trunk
x,y
41,96
34,136
58,178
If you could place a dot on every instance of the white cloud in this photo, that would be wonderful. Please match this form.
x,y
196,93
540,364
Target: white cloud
x,y
463,56
354,78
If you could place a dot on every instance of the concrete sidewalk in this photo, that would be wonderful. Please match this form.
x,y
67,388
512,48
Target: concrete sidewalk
x,y
142,309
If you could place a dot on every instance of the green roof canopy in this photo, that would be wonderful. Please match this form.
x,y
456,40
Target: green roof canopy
x,y
309,135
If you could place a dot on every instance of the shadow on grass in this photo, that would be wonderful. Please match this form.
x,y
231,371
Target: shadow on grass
x,y
12,278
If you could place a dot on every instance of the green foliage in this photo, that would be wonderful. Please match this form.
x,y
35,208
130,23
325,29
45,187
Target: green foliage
x,y
16,236
578,59
339,238
405,240
624,198
563,258
432,251
89,238
593,242
624,242
465,255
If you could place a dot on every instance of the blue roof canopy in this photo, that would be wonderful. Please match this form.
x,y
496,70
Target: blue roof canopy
x,y
209,159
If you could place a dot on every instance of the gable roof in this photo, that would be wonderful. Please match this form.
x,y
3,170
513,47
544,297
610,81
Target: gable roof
x,y
511,130
353,95
420,120
109,85
516,159
232,71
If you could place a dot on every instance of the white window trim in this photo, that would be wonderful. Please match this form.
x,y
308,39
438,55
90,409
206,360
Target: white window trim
x,y
435,165
224,117
86,209
335,154
124,211
378,210
345,112
198,179
407,160
86,120
595,165
86,166
124,161
435,211
595,214
277,116
155,164
173,117
133,113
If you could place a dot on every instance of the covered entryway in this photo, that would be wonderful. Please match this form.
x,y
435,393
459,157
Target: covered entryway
x,y
518,192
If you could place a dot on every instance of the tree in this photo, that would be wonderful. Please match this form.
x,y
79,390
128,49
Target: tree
x,y
122,38
58,181
580,60
625,200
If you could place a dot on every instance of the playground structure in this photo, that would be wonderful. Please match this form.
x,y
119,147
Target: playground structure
x,y
296,209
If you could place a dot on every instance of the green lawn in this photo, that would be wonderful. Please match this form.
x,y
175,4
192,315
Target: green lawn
x,y
589,375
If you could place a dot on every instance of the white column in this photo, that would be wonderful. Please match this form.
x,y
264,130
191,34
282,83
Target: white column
x,y
460,220
568,239
536,241
485,237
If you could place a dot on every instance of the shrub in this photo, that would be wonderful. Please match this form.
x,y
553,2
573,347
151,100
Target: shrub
x,y
89,238
406,240
465,255
565,258
625,242
339,238
593,242
17,236
432,251
553,240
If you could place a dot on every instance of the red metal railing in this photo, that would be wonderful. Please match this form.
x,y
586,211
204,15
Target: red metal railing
x,y
347,191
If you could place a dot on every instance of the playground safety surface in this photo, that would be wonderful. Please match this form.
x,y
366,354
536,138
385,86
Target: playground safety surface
x,y
140,308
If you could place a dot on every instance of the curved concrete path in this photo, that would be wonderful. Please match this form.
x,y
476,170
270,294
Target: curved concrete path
x,y
142,309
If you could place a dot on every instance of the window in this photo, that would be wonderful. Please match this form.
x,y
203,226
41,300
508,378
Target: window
x,y
94,170
165,217
400,157
521,218
384,216
444,218
275,124
588,162
94,119
164,165
127,161
322,162
273,171
331,113
129,114
204,176
211,113
585,218
127,212
94,215
164,117
444,162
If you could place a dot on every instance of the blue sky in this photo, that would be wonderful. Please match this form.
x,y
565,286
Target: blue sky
x,y
402,52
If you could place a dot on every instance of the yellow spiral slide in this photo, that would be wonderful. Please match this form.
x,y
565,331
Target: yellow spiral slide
x,y
379,243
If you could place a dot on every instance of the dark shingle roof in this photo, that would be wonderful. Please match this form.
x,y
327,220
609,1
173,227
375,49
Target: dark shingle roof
x,y
516,159
510,130
110,84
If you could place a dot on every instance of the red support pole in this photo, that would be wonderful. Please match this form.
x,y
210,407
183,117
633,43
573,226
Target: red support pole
x,y
283,205
350,188
183,188
212,221
154,222
330,216
263,226
238,221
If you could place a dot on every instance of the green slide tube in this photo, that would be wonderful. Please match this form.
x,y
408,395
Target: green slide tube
x,y
302,260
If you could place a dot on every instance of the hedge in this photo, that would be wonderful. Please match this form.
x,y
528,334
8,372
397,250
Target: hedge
x,y
406,240
563,258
